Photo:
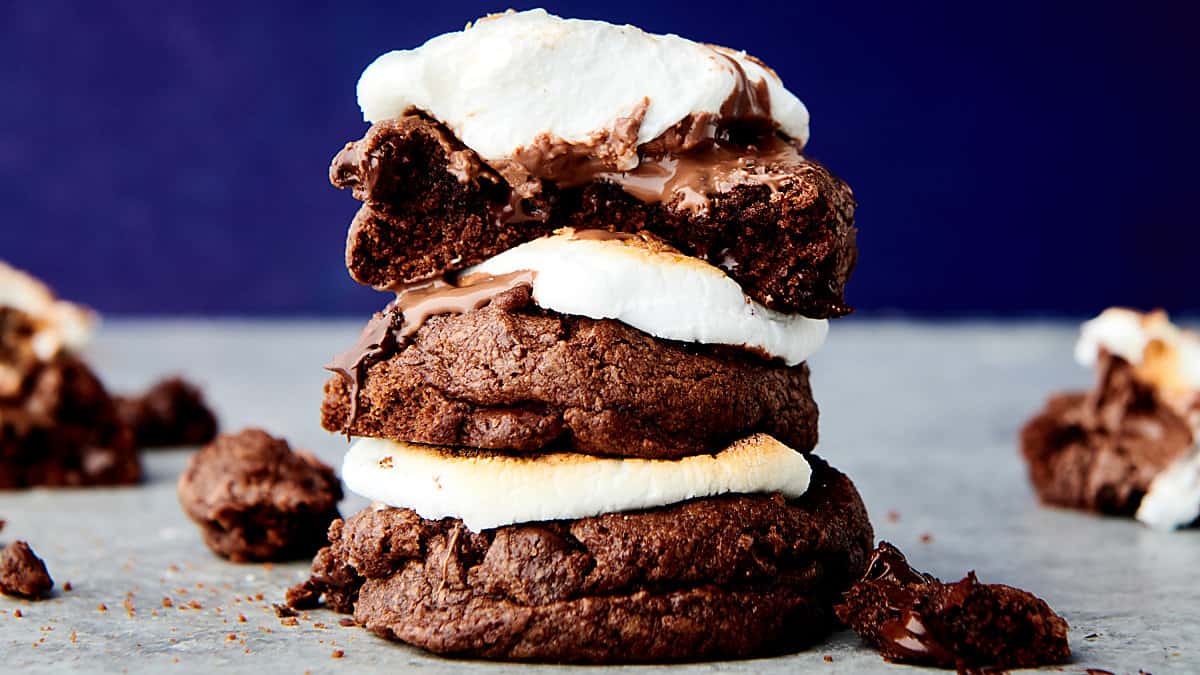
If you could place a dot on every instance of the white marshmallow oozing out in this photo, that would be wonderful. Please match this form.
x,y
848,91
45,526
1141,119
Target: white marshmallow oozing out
x,y
1173,500
656,290
487,490
507,79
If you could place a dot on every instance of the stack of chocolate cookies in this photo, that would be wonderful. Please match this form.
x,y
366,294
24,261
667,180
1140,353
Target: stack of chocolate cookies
x,y
585,420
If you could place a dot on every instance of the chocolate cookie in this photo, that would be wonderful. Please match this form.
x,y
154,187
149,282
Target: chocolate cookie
x,y
731,576
912,617
256,499
432,206
1100,450
22,573
58,425
512,377
171,413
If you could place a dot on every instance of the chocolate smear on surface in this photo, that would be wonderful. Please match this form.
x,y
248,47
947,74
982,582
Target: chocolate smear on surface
x,y
403,317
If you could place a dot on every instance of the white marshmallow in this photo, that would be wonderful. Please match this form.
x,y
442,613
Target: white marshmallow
x,y
1173,500
1128,334
509,78
656,290
489,490
59,324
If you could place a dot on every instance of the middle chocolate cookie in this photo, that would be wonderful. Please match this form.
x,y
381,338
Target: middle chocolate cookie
x,y
511,376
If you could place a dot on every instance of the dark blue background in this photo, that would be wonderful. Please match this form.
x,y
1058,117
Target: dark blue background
x,y
1009,158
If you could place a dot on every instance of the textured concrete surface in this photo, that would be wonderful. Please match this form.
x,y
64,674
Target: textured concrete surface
x,y
922,416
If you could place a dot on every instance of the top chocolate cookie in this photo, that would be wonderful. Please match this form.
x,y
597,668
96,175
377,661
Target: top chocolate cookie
x,y
581,137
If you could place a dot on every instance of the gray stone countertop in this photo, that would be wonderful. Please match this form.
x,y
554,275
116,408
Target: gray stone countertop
x,y
922,416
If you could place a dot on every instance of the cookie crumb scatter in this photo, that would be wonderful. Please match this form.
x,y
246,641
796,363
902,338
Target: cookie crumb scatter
x,y
289,621
17,613
231,637
258,597
893,516
347,622
283,610
241,618
337,654
319,625
194,604
1091,636
74,637
67,587
926,538
102,607
828,659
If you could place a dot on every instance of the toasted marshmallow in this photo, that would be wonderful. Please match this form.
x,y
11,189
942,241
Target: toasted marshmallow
x,y
59,324
1162,355
487,490
642,282
1173,499
510,79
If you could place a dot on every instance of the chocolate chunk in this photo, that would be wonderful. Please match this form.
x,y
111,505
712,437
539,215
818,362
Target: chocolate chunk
x,y
1100,450
256,499
512,377
171,413
431,206
22,573
731,576
58,425
912,617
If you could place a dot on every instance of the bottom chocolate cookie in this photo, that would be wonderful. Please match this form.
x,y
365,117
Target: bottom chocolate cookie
x,y
723,577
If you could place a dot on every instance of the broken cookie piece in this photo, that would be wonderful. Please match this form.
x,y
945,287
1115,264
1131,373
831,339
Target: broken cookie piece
x,y
22,573
170,413
912,617
256,499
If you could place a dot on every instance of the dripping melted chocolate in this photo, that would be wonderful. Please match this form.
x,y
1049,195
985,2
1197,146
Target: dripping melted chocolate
x,y
415,303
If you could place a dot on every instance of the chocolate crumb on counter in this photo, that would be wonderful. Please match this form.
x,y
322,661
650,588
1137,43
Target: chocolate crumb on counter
x,y
255,499
912,617
22,573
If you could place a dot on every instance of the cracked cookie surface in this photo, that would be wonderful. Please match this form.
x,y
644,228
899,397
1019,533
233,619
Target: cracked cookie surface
x,y
730,576
512,377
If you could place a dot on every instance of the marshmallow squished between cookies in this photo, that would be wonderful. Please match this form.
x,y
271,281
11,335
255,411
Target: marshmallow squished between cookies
x,y
59,324
512,79
642,282
486,489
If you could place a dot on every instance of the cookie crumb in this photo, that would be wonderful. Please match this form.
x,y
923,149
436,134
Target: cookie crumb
x,y
828,658
241,618
289,621
337,654
893,516
926,538
283,610
102,607
17,613
22,573
67,587
347,622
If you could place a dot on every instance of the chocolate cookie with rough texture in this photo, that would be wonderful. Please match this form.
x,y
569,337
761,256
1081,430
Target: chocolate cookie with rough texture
x,y
58,425
170,413
22,573
1100,450
912,617
510,376
256,499
722,577
432,206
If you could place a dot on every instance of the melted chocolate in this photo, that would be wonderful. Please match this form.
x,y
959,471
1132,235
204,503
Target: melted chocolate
x,y
906,635
404,316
